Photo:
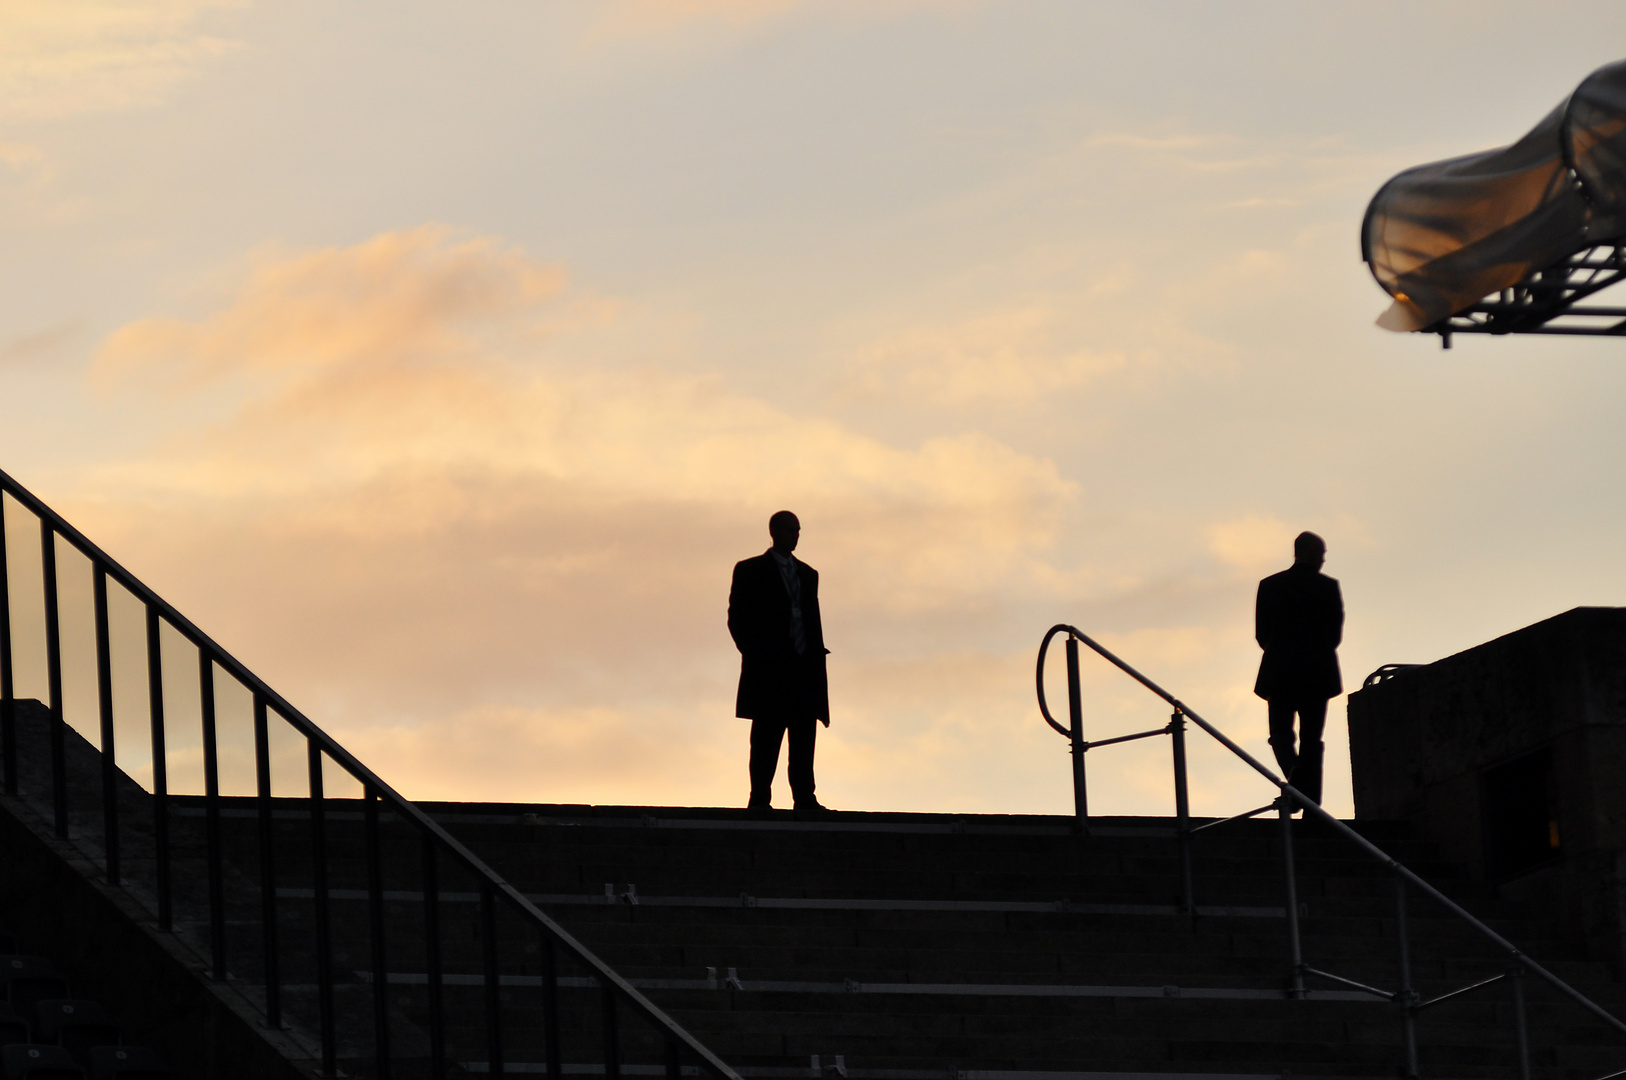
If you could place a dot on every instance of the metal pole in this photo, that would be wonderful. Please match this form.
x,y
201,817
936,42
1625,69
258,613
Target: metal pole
x,y
104,704
1182,810
53,680
324,935
1075,733
493,987
1295,951
432,962
160,769
8,711
375,934
268,875
1406,996
1516,977
674,1063
211,799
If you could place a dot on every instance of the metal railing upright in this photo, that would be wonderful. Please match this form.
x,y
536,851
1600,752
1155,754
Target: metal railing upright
x,y
1288,801
437,849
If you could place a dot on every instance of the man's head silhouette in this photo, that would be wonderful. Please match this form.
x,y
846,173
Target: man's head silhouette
x,y
785,530
1309,551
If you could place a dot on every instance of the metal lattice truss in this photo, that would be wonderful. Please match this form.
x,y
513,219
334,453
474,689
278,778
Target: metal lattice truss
x,y
1548,301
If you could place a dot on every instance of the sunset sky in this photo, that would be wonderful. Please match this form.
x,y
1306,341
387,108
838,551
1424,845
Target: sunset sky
x,y
441,359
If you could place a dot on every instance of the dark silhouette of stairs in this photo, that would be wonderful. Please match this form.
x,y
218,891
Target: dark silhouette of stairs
x,y
905,946
875,946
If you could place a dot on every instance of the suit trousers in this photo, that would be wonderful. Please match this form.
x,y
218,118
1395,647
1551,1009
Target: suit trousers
x,y
766,735
1301,765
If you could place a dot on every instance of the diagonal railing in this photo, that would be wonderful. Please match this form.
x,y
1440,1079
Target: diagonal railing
x,y
1289,800
439,851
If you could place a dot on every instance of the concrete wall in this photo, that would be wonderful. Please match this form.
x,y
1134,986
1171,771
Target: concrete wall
x,y
58,904
1423,741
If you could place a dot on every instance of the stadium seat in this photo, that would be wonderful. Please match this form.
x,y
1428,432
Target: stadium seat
x,y
127,1063
75,1025
27,980
13,1028
28,1061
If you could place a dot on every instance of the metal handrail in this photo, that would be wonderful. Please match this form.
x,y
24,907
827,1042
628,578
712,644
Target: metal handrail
x,y
1289,799
680,1043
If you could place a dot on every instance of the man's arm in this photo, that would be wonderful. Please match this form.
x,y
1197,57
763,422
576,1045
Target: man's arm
x,y
812,621
1263,628
739,605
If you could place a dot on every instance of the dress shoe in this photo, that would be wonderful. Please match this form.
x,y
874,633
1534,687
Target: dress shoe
x,y
813,811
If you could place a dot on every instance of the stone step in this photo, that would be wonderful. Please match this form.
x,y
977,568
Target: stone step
x,y
914,942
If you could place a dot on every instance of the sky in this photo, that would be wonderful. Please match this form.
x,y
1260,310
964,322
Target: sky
x,y
439,360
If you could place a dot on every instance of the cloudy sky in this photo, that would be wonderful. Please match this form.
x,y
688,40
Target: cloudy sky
x,y
441,359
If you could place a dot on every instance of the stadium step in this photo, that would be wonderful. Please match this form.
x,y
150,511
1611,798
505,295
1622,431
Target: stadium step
x,y
931,945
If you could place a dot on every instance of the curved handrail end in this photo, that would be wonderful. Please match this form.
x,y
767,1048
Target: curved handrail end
x,y
1044,708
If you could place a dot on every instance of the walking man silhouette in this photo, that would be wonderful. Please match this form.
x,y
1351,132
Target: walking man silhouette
x,y
1299,622
773,615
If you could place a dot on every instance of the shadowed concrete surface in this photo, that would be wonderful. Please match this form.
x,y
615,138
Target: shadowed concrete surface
x,y
879,946
105,939
1512,756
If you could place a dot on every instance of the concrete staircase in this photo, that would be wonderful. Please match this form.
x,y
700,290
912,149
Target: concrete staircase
x,y
875,946
905,946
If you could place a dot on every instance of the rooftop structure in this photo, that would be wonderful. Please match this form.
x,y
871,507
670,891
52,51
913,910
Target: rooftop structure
x,y
1511,240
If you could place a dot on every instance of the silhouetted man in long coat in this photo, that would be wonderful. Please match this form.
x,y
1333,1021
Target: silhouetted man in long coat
x,y
1299,622
773,614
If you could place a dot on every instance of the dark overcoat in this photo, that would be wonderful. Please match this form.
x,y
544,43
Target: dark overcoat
x,y
775,681
1299,622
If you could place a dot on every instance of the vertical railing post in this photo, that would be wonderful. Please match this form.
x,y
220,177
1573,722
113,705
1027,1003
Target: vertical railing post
x,y
1520,1025
493,976
268,875
53,681
612,1035
211,803
324,932
1075,734
674,1060
160,769
1406,996
1295,950
375,933
104,708
432,961
8,709
1182,811
550,1008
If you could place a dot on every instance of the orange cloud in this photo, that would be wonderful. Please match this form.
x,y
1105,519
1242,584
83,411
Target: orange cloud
x,y
419,512
397,296
60,59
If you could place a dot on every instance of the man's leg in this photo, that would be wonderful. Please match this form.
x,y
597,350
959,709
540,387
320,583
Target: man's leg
x,y
1312,719
799,768
766,735
1281,735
